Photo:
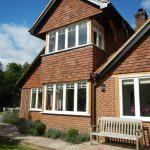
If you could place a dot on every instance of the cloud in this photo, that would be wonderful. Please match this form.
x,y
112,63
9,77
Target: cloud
x,y
146,4
17,45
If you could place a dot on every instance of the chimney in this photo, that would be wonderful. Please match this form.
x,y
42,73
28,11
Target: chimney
x,y
140,18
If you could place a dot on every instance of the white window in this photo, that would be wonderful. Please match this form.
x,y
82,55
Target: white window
x,y
98,35
67,98
36,99
83,33
135,97
52,41
68,37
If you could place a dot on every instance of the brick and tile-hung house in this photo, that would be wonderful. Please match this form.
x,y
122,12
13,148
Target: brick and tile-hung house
x,y
93,64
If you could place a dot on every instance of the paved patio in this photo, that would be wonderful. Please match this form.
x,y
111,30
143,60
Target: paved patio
x,y
50,144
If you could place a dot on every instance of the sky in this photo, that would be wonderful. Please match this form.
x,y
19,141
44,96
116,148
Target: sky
x,y
17,17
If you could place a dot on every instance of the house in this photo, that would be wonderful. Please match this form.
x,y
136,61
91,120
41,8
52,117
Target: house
x,y
93,64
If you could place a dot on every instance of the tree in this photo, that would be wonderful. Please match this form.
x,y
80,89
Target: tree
x,y
9,94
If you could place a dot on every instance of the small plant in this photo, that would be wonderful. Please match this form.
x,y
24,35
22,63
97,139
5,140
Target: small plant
x,y
55,134
40,128
10,117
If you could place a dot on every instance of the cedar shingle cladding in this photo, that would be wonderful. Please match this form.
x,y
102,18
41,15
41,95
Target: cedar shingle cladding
x,y
68,11
138,60
77,64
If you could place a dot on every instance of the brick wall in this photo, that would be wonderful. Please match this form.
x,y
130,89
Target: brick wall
x,y
67,12
76,64
64,122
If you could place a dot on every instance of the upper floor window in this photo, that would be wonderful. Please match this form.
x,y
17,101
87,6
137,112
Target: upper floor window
x,y
36,99
68,37
98,35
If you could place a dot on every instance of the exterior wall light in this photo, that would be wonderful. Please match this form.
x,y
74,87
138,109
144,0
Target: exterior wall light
x,y
102,87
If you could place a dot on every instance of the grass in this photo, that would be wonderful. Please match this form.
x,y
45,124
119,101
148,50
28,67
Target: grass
x,y
10,144
1,113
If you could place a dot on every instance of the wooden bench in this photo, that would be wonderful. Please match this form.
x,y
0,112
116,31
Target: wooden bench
x,y
113,127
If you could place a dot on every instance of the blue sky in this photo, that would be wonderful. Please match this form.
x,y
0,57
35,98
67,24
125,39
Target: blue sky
x,y
17,16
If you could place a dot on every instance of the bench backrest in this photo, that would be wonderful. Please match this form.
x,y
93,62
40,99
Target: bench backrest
x,y
119,125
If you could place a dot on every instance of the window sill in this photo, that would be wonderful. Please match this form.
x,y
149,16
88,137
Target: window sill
x,y
67,49
66,113
36,110
145,119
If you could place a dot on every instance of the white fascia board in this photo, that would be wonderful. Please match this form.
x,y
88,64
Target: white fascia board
x,y
100,3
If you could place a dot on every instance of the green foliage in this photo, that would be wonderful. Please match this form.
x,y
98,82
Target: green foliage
x,y
55,134
10,117
40,128
74,137
9,94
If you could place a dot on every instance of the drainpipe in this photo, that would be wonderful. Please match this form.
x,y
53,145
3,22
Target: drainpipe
x,y
93,102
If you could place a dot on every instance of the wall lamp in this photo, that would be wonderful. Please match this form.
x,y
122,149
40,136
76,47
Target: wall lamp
x,y
102,87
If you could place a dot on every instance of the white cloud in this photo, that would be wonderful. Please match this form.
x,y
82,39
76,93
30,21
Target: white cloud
x,y
17,45
146,4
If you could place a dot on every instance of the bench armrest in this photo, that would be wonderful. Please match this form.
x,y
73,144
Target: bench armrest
x,y
139,130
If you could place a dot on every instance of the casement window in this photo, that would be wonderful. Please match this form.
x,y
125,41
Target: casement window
x,y
36,99
98,35
52,42
68,37
135,97
67,98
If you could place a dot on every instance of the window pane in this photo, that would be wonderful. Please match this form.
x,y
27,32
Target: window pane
x,y
52,38
145,97
33,105
100,41
49,97
70,97
81,101
61,39
71,36
83,33
128,98
40,98
59,97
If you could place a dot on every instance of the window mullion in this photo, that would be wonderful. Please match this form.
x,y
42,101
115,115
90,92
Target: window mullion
x,y
77,35
75,96
66,38
37,91
54,97
56,42
64,97
137,97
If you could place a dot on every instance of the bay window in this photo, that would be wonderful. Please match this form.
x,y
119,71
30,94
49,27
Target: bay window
x,y
98,35
71,36
83,33
67,98
61,39
52,41
36,99
68,37
135,97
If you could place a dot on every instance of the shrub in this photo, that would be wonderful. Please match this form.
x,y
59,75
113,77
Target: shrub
x,y
83,137
10,117
71,136
40,128
55,134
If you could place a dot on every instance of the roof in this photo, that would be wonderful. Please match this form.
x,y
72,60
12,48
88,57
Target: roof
x,y
101,3
113,59
30,69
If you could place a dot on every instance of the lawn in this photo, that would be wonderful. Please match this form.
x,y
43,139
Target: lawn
x,y
1,113
9,144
